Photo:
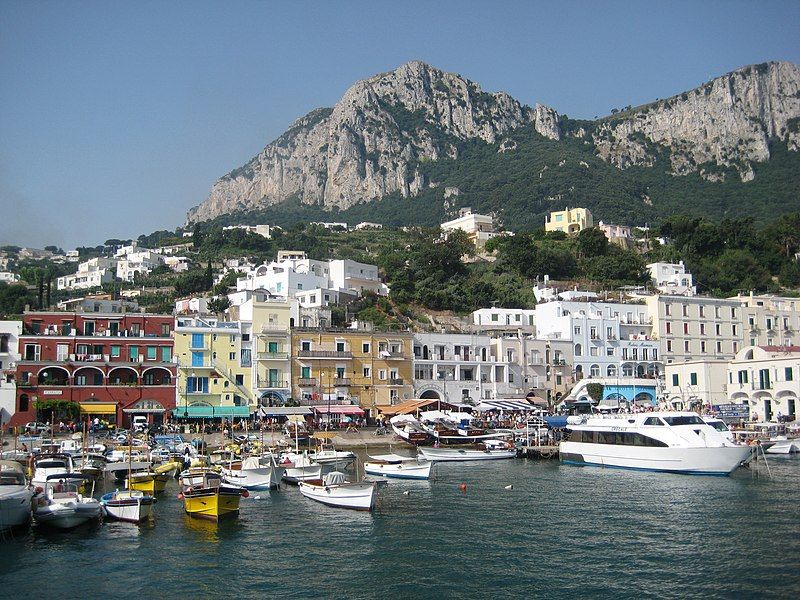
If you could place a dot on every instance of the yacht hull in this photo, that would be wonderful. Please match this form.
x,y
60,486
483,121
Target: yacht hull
x,y
262,478
297,474
698,461
464,455
355,496
67,516
15,508
131,508
404,470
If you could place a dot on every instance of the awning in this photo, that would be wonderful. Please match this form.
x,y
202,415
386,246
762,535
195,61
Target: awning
x,y
506,405
556,421
210,412
339,409
144,411
282,411
98,408
404,408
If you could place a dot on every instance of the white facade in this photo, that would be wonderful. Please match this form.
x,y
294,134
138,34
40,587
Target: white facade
x,y
672,278
93,273
351,276
701,382
179,264
188,306
10,331
767,380
103,305
323,297
141,262
479,228
262,230
770,320
609,339
505,318
8,277
458,367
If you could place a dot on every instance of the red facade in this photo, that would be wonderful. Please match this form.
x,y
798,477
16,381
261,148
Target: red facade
x,y
114,365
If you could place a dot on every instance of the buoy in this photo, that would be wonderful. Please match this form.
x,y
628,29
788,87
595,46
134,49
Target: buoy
x,y
509,487
407,493
463,487
245,494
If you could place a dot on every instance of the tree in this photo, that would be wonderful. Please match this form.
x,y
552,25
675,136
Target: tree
x,y
595,391
219,304
592,242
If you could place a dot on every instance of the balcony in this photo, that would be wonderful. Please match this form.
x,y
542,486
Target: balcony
x,y
273,384
307,382
324,354
272,355
535,361
396,381
387,355
274,328
341,382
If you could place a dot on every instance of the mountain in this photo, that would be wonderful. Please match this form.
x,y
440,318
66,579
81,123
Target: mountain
x,y
404,136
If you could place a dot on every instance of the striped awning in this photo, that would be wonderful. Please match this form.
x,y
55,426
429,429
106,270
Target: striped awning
x,y
507,405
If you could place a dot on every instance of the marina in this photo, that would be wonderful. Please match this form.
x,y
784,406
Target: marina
x,y
554,513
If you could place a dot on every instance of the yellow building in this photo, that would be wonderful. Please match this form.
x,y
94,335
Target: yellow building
x,y
272,367
569,220
213,375
351,367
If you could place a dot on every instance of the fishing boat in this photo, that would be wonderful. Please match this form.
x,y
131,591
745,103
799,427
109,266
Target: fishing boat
x,y
409,429
299,467
45,465
335,490
206,495
672,441
254,472
330,457
490,449
62,505
15,496
133,506
90,464
396,466
152,481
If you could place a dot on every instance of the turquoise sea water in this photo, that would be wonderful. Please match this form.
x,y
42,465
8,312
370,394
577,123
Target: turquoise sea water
x,y
562,531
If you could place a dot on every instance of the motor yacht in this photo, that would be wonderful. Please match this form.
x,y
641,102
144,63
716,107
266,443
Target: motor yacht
x,y
62,505
15,496
677,442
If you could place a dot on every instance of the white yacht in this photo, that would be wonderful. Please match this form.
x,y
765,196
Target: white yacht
x,y
45,465
15,496
678,442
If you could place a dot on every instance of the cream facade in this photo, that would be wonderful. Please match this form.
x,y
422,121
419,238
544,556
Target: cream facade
x,y
569,220
695,382
479,228
767,380
770,320
91,274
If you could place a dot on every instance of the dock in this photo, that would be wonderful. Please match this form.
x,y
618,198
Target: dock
x,y
539,452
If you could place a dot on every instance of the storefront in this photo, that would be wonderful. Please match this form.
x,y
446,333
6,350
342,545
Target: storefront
x,y
102,411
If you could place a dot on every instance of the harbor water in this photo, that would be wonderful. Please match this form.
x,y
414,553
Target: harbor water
x,y
561,531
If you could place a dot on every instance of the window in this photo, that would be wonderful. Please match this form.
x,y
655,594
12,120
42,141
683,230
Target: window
x,y
668,309
593,333
702,310
742,377
719,346
305,372
669,345
152,352
686,329
787,373
272,347
609,351
115,351
365,348
135,329
382,374
655,353
716,312
133,352
88,328
593,351
578,350
246,357
231,355
494,317
692,378
165,330
240,379
367,372
594,371
305,345
197,340
668,327
339,346
197,385
685,310
703,346
686,346
577,329
675,380
733,313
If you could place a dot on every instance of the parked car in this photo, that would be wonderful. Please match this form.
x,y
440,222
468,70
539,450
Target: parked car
x,y
36,427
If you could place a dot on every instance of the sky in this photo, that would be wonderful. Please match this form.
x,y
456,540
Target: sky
x,y
117,117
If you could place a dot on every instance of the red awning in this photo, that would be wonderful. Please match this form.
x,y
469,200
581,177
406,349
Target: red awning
x,y
339,409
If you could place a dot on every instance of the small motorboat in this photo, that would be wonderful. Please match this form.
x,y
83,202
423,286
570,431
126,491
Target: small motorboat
x,y
207,496
45,465
783,445
133,506
91,464
487,450
335,490
254,472
299,467
398,467
61,503
336,459
15,496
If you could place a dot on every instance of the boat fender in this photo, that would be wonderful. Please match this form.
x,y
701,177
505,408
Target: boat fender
x,y
180,496
463,487
245,494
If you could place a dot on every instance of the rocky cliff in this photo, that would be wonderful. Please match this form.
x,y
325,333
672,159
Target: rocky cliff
x,y
728,122
372,141
367,145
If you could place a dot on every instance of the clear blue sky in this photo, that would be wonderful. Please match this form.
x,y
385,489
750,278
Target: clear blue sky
x,y
115,117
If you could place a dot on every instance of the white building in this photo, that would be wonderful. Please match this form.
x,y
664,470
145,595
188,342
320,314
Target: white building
x,y
505,318
262,230
696,328
178,264
8,277
91,274
320,297
105,305
191,306
770,320
767,380
609,339
10,331
72,255
617,234
479,228
351,276
703,382
141,261
672,279
458,367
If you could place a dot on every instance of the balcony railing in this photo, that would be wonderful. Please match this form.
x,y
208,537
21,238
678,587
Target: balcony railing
x,y
324,354
272,355
307,382
268,384
341,382
396,381
388,355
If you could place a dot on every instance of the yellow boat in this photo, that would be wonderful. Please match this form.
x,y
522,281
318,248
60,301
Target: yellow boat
x,y
148,481
205,495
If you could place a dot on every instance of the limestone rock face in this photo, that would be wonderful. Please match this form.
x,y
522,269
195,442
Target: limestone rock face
x,y
367,145
726,122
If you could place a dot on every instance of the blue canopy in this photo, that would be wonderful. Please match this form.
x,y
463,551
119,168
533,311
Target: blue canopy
x,y
556,421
